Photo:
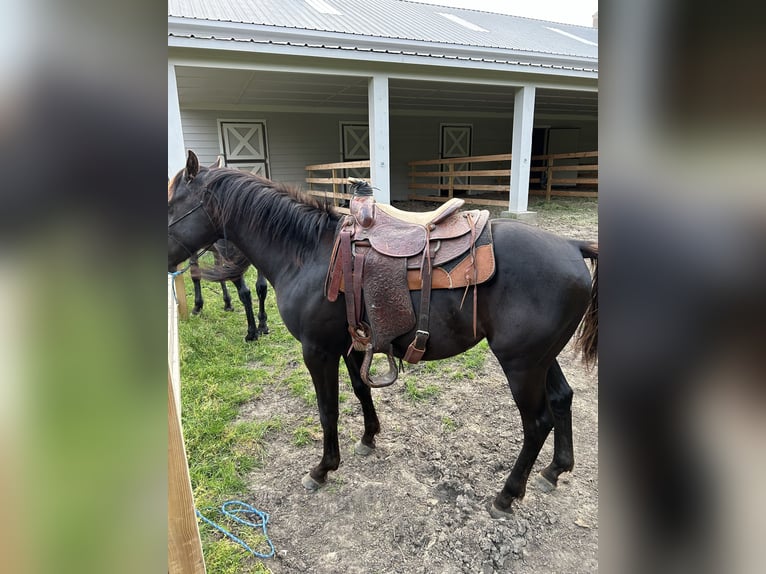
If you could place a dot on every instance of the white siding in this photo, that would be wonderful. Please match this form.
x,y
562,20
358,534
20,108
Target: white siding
x,y
296,140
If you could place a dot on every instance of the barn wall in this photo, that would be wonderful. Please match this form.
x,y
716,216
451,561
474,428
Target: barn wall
x,y
296,140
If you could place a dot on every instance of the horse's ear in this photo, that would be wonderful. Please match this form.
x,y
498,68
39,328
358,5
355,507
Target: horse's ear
x,y
219,163
192,166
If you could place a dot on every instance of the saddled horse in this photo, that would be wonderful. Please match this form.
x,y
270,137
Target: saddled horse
x,y
540,292
230,264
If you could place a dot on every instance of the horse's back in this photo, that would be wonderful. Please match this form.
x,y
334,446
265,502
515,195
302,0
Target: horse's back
x,y
519,246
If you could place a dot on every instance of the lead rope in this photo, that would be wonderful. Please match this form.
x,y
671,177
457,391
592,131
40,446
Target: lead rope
x,y
245,509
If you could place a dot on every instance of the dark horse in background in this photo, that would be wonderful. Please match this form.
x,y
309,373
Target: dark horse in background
x,y
230,264
532,306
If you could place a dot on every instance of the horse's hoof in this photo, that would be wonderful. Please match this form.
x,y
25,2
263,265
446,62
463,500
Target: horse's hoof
x,y
499,514
311,484
250,337
544,484
196,311
263,330
362,449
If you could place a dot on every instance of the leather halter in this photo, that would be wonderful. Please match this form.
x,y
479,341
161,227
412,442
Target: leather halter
x,y
200,205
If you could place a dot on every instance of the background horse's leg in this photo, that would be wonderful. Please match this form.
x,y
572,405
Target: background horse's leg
x,y
324,375
196,275
260,290
226,298
247,302
560,402
528,388
218,262
362,392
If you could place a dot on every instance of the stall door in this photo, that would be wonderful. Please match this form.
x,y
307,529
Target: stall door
x,y
355,146
244,145
455,141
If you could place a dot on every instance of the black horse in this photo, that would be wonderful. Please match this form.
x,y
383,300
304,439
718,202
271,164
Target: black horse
x,y
539,294
230,264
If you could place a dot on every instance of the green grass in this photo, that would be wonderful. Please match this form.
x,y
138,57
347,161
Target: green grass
x,y
307,433
220,372
449,424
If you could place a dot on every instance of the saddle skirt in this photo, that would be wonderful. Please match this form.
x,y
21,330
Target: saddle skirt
x,y
381,254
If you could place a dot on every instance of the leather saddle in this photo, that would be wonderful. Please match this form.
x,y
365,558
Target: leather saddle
x,y
382,253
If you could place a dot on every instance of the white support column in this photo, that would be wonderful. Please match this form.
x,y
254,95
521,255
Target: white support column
x,y
380,171
176,149
521,152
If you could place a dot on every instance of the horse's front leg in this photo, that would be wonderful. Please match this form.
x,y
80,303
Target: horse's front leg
x,y
324,374
362,392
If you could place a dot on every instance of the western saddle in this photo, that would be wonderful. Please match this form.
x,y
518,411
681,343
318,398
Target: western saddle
x,y
382,253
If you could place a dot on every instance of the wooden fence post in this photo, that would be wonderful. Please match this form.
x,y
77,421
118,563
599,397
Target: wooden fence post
x,y
184,545
334,189
180,290
548,180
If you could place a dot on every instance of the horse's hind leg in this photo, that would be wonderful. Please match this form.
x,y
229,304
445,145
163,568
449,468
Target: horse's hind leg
x,y
528,388
226,298
260,290
560,403
247,302
362,392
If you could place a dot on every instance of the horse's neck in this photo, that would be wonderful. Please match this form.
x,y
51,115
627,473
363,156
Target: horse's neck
x,y
275,258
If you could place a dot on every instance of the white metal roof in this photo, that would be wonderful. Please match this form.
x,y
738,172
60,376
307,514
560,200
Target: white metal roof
x,y
405,26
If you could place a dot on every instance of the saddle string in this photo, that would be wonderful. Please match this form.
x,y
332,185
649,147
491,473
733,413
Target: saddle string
x,y
472,268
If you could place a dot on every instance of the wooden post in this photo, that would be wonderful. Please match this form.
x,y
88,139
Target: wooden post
x,y
180,287
548,180
184,544
451,179
334,190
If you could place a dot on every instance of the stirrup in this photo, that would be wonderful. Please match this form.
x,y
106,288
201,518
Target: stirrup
x,y
374,382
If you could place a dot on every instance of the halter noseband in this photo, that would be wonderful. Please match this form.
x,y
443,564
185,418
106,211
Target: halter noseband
x,y
200,205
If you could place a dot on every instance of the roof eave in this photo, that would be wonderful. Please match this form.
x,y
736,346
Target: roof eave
x,y
205,34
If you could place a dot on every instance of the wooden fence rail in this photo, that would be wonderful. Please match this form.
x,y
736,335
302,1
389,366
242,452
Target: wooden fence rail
x,y
579,172
564,174
334,186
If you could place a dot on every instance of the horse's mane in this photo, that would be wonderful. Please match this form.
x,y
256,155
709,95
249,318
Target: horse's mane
x,y
269,209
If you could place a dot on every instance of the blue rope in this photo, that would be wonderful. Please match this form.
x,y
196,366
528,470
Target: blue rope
x,y
175,274
243,509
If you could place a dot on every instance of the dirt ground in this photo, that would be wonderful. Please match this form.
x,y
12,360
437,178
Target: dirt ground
x,y
417,504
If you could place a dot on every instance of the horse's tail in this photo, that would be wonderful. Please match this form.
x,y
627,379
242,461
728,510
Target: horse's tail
x,y
230,263
587,333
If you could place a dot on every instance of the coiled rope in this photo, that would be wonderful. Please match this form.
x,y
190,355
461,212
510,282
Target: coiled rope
x,y
233,509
